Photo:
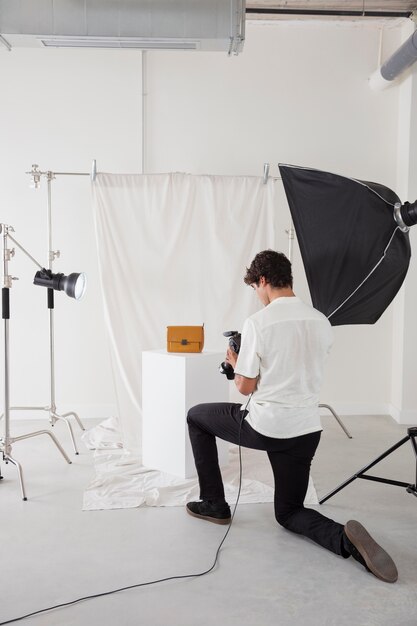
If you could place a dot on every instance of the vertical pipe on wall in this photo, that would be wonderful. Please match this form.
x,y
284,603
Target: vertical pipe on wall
x,y
381,40
144,110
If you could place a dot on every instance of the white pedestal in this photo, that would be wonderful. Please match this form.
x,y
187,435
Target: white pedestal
x,y
172,383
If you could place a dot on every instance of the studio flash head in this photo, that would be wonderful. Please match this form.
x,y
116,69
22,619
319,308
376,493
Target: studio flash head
x,y
74,284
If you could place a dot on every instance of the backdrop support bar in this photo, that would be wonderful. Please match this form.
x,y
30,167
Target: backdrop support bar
x,y
36,173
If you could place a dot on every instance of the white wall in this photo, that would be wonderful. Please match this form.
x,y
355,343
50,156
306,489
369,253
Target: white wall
x,y
61,109
299,94
404,336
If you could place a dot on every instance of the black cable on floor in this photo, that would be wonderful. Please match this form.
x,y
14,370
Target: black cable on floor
x,y
161,580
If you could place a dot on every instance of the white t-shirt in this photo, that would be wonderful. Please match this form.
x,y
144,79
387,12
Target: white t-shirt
x,y
285,344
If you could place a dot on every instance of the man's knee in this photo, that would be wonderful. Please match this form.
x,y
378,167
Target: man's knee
x,y
284,516
194,413
282,519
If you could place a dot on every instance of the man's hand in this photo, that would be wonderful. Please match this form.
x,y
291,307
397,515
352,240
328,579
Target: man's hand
x,y
231,357
246,386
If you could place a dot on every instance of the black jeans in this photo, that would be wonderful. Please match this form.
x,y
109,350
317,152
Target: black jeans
x,y
290,460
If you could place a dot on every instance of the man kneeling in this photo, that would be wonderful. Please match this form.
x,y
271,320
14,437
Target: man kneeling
x,y
281,362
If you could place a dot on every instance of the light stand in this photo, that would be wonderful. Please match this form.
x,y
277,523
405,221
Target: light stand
x,y
54,416
352,287
405,215
6,441
411,436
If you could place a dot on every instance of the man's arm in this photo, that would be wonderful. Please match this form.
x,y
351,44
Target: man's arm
x,y
245,386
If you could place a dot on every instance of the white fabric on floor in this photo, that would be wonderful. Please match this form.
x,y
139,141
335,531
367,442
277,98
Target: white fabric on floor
x,y
121,481
172,250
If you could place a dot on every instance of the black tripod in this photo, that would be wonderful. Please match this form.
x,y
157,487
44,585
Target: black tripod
x,y
411,436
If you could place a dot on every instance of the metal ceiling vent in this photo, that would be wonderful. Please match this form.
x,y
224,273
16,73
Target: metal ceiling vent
x,y
142,24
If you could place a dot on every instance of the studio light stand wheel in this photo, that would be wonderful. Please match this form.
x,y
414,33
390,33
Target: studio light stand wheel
x,y
410,488
6,440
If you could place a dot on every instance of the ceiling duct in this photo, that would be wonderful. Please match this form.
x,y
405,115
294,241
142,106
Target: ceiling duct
x,y
142,24
396,65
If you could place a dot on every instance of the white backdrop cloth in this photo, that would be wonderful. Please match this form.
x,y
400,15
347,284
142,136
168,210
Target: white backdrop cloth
x,y
121,481
172,250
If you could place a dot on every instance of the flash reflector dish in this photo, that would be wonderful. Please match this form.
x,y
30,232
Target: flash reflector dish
x,y
74,284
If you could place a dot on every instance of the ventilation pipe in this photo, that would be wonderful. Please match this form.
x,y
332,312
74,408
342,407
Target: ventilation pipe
x,y
401,60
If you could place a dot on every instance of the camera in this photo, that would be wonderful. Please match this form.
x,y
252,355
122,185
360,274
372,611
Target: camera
x,y
234,342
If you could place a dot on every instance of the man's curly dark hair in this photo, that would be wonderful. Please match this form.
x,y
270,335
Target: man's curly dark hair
x,y
274,266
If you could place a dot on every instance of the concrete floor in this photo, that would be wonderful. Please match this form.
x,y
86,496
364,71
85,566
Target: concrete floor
x,y
51,552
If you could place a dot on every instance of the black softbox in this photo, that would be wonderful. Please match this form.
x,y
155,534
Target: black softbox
x,y
355,254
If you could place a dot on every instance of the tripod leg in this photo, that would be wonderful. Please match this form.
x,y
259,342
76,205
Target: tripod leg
x,y
339,488
412,432
364,469
79,422
20,472
339,421
58,445
61,417
54,439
